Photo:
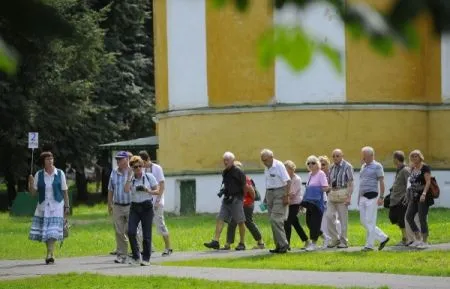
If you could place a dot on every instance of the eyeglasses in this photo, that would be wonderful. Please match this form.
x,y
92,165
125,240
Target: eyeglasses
x,y
137,167
323,164
336,156
311,163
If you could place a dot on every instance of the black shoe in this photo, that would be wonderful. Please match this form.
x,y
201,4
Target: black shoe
x,y
49,261
167,252
212,245
274,251
283,250
240,247
382,244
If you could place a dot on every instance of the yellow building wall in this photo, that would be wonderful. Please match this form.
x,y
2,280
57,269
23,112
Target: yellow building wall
x,y
161,54
439,139
234,74
406,76
201,140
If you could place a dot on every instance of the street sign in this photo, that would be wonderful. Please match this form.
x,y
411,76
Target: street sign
x,y
33,140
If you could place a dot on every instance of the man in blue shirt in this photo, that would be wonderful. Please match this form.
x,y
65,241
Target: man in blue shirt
x,y
119,204
371,195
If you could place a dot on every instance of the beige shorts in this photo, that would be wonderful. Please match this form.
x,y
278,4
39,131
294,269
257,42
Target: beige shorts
x,y
158,220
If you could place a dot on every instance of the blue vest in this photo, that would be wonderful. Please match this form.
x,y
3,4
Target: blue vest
x,y
57,192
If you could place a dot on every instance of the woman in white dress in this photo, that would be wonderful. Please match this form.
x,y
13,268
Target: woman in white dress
x,y
53,203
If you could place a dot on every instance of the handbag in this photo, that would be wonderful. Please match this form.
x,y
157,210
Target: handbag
x,y
338,196
257,194
434,188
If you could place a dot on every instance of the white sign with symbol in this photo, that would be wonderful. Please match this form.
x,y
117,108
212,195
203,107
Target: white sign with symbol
x,y
33,140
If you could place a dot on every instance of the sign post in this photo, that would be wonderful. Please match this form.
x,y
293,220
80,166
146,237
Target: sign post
x,y
33,143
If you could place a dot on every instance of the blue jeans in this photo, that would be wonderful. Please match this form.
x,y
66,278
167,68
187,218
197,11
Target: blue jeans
x,y
141,213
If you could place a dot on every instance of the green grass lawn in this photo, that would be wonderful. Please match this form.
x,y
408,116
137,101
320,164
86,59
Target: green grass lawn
x,y
90,281
92,233
432,263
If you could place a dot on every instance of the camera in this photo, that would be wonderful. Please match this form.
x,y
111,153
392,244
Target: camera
x,y
140,188
221,192
334,184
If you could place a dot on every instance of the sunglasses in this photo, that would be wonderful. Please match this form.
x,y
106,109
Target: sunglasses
x,y
311,163
336,156
137,167
323,164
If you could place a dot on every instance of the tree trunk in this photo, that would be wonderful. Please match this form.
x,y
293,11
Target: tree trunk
x,y
81,184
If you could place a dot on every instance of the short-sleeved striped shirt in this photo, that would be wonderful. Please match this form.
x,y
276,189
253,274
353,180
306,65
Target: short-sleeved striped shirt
x,y
116,185
369,177
341,174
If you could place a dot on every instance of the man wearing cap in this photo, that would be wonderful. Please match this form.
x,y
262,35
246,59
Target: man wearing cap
x,y
119,204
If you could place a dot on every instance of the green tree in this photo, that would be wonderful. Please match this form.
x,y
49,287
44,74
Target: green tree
x,y
53,90
127,85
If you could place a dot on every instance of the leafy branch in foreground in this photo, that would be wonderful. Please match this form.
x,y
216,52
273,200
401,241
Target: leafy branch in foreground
x,y
383,29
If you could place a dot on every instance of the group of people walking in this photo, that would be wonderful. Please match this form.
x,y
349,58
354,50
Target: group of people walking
x,y
136,201
325,201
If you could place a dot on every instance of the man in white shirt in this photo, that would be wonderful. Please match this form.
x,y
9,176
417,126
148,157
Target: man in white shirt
x,y
158,201
278,184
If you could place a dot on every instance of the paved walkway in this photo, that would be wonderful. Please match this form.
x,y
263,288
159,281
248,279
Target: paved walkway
x,y
104,265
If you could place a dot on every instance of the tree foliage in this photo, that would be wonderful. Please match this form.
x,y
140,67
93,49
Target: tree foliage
x,y
77,92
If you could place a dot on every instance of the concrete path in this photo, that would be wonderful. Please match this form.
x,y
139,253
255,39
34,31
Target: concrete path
x,y
104,265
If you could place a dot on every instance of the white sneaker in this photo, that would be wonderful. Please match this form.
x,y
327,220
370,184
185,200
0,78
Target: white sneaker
x,y
326,241
145,263
307,244
134,262
311,247
423,246
416,244
120,260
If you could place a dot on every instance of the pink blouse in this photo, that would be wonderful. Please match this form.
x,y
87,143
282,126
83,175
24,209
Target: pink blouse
x,y
295,194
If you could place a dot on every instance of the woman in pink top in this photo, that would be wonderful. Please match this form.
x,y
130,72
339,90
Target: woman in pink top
x,y
295,198
313,200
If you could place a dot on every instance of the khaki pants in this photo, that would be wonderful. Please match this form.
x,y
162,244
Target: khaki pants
x,y
342,212
409,233
278,214
120,217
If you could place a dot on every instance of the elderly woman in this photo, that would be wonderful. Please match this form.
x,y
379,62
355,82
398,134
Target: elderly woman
x,y
325,167
295,198
142,186
419,198
53,203
313,200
